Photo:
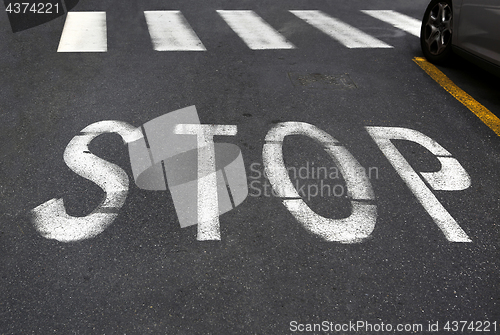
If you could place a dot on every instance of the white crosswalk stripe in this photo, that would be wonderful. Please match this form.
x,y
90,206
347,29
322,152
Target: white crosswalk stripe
x,y
254,31
84,32
398,20
347,35
170,31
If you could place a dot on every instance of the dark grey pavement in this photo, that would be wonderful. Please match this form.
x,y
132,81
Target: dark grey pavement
x,y
146,275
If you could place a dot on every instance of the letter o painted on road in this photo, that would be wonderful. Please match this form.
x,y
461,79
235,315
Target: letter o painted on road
x,y
352,229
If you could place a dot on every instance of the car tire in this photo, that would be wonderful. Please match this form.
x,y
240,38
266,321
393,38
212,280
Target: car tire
x,y
436,31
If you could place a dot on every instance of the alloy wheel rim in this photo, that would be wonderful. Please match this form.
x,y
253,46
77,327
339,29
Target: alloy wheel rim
x,y
438,28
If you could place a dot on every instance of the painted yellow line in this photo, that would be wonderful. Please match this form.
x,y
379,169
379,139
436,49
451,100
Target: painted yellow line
x,y
490,119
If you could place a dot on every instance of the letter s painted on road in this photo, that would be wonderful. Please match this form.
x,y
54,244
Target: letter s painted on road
x,y
51,219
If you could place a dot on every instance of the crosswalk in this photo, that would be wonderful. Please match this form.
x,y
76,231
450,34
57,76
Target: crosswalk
x,y
170,31
254,31
342,32
84,32
398,20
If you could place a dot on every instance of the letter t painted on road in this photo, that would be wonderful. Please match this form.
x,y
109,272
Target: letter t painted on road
x,y
207,204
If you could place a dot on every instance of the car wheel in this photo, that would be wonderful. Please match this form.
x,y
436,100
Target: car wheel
x,y
436,31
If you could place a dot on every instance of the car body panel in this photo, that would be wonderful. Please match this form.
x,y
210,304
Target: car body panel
x,y
477,28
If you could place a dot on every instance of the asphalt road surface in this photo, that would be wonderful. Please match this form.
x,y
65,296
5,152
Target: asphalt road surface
x,y
401,249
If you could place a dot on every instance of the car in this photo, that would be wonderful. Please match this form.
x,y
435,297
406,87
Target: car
x,y
468,28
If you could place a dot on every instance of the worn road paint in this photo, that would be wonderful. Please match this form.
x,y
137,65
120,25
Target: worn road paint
x,y
398,20
490,119
451,177
347,35
451,170
163,160
84,32
208,202
51,219
360,224
170,31
254,31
